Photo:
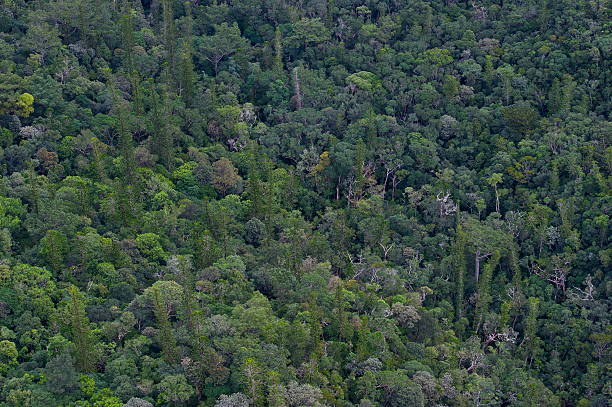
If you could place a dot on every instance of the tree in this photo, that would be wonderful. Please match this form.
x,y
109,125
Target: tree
x,y
298,98
554,97
163,129
434,59
308,31
8,356
53,248
136,402
44,39
363,80
175,389
169,36
166,334
224,42
149,246
85,355
126,143
359,171
560,96
252,380
520,118
531,342
493,180
233,400
225,176
128,40
302,395
187,76
484,297
278,51
536,394
395,389
276,391
13,99
459,262
506,73
450,86
61,375
538,221
11,212
254,231
483,240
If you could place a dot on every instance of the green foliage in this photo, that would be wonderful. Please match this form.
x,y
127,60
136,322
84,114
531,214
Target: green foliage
x,y
85,355
225,42
11,211
521,118
12,100
53,248
8,355
175,389
149,246
307,31
363,80
253,203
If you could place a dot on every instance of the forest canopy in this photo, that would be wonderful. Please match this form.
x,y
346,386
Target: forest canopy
x,y
313,203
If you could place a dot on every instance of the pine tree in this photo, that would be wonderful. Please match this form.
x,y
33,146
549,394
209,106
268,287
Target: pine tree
x,y
127,191
516,269
484,291
163,140
531,342
126,186
504,317
166,335
488,72
567,93
554,97
97,149
53,248
341,320
371,132
186,71
252,381
260,190
126,144
169,35
316,332
255,191
331,8
206,250
185,278
126,24
298,98
276,393
278,52
553,178
126,27
82,337
506,73
459,261
360,156
220,221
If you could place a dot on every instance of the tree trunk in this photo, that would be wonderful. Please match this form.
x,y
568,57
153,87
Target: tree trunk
x,y
387,173
298,93
496,200
477,265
